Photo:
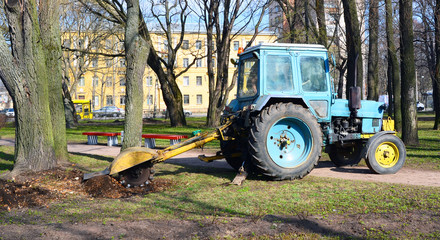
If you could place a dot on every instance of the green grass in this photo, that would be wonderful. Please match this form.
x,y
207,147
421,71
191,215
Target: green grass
x,y
204,193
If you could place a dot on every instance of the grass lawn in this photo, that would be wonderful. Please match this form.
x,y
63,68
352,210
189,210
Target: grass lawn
x,y
202,194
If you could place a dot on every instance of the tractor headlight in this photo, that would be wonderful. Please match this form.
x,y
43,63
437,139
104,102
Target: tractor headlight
x,y
320,108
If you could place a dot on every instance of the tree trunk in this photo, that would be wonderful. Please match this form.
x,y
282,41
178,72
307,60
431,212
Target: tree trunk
x,y
171,93
395,95
50,25
24,74
407,68
353,45
373,55
137,51
320,14
436,80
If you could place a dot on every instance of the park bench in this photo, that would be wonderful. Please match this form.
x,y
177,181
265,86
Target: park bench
x,y
92,137
150,139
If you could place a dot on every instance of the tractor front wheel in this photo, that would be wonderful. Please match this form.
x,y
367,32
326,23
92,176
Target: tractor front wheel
x,y
285,141
386,154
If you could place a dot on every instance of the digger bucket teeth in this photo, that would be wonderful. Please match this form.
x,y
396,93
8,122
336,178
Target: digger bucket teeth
x,y
96,174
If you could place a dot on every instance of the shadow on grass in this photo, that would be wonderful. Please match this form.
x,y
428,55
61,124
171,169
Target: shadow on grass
x,y
9,158
97,157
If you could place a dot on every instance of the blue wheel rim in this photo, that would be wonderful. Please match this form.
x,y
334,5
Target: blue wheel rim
x,y
289,142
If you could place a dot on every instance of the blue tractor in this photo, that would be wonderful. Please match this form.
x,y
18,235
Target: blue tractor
x,y
286,112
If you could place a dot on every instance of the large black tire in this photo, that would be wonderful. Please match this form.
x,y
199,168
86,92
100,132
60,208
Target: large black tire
x,y
229,149
386,154
285,141
345,156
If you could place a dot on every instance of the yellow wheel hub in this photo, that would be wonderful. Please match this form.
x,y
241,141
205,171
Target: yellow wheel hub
x,y
387,154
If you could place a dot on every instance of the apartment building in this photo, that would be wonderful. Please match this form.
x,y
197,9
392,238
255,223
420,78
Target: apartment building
x,y
103,80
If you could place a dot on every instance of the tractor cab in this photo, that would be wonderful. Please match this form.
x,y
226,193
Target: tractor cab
x,y
285,72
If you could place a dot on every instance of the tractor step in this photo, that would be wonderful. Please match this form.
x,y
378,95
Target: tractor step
x,y
218,156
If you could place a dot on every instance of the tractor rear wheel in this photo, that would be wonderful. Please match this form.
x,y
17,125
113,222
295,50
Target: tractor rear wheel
x,y
345,156
386,154
138,175
285,141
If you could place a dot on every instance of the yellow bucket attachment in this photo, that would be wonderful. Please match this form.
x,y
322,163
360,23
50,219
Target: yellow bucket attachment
x,y
131,157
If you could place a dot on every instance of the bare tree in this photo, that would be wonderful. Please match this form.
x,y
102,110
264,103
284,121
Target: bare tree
x,y
407,68
354,41
24,69
436,82
137,50
219,19
87,38
393,68
373,54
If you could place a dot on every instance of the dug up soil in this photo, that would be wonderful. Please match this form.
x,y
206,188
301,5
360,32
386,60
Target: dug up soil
x,y
42,188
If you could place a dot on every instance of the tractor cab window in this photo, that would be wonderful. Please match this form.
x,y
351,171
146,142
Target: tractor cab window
x,y
313,74
248,78
279,73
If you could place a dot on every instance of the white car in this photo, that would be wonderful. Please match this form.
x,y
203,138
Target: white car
x,y
420,106
10,112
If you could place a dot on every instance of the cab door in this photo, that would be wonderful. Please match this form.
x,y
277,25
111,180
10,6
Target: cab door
x,y
314,81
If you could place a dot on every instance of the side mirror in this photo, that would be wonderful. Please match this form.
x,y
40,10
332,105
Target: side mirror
x,y
234,62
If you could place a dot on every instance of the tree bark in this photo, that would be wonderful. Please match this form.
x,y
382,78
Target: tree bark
x,y
394,73
353,45
373,55
407,68
24,73
50,25
320,14
436,80
136,56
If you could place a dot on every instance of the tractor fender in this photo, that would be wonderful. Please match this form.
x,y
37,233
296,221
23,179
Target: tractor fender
x,y
371,140
266,100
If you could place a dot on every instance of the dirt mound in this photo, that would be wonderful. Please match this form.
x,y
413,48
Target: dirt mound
x,y
41,188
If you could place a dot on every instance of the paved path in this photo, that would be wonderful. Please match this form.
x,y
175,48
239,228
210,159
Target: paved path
x,y
324,169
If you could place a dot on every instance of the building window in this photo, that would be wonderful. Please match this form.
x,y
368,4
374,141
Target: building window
x,y
66,43
108,82
81,82
185,62
199,99
121,62
122,99
149,99
149,80
198,44
95,81
108,62
185,81
236,45
185,99
199,63
185,44
95,62
109,100
81,97
108,43
199,80
96,101
121,81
